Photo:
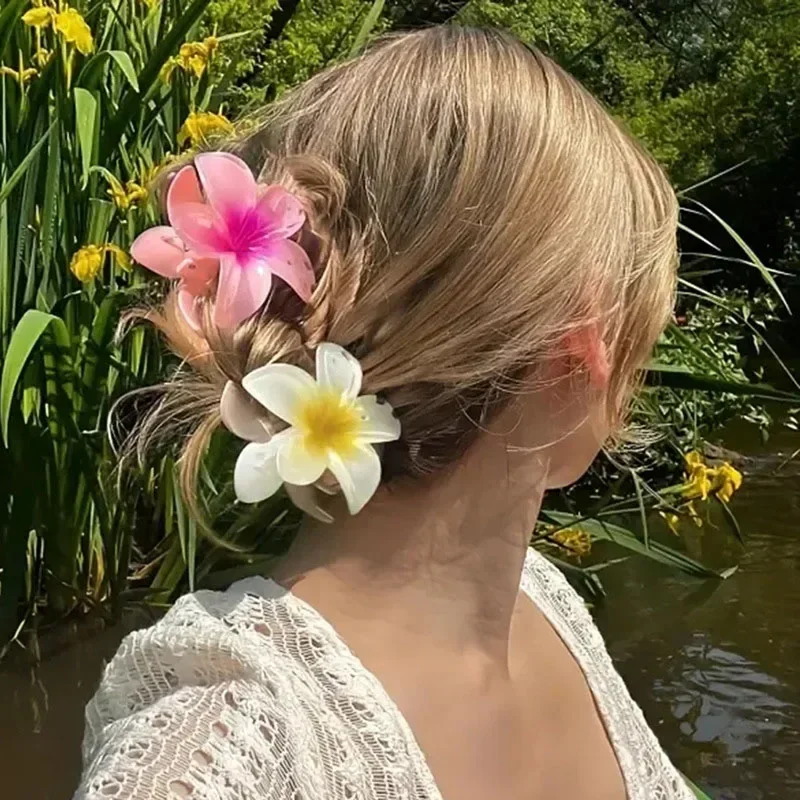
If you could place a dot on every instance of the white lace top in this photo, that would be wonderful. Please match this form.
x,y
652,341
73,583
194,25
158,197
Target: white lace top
x,y
249,694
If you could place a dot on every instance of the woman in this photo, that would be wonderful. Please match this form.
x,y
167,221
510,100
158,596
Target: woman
x,y
431,307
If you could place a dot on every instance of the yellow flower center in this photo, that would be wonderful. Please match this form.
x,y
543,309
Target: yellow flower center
x,y
327,423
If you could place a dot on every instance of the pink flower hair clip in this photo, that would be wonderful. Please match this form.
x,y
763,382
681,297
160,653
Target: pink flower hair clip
x,y
226,239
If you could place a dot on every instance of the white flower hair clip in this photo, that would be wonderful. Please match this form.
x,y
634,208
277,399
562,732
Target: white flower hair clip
x,y
331,428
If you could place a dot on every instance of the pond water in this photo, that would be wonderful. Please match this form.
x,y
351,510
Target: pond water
x,y
715,665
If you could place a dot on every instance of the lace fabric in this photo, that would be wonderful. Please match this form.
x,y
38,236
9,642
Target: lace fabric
x,y
249,694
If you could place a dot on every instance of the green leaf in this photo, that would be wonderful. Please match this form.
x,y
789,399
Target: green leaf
x,y
50,207
696,235
730,518
676,376
24,166
86,122
166,47
370,20
605,531
25,337
8,19
126,65
698,792
754,259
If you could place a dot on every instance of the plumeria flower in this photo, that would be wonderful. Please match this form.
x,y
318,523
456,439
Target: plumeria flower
x,y
227,237
330,428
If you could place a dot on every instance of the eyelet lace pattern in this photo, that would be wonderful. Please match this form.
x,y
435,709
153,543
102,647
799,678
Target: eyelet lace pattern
x,y
249,694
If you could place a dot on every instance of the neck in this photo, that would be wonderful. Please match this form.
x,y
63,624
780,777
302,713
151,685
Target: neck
x,y
439,560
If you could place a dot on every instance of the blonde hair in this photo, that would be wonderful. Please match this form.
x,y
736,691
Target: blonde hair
x,y
469,205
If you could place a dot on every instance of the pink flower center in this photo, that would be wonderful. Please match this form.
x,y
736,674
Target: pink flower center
x,y
248,234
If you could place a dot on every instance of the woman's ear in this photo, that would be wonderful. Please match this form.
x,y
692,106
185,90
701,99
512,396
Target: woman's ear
x,y
587,346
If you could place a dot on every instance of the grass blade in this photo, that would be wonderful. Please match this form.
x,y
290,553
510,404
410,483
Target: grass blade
x,y
370,20
50,207
754,259
126,66
25,337
8,19
86,120
605,531
166,47
24,166
676,376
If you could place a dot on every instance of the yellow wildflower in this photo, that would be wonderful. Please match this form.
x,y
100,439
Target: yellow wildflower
x,y
117,193
575,540
39,17
673,521
42,56
703,480
126,196
72,26
87,262
22,76
727,480
199,125
698,483
119,255
194,56
168,67
694,459
136,192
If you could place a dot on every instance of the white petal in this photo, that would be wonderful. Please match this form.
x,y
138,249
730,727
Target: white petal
x,y
359,475
280,388
239,415
255,476
305,498
378,422
337,369
297,464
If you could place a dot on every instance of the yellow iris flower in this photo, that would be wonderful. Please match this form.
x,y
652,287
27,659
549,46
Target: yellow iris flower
x,y
702,480
193,57
574,539
728,480
199,125
42,56
88,261
131,194
72,26
39,17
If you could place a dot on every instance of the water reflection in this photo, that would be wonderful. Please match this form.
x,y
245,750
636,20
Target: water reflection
x,y
716,665
41,711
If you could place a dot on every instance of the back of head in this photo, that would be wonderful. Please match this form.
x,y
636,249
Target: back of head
x,y
469,205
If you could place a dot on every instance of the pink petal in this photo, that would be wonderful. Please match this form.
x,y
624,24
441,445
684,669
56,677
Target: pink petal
x,y
289,262
240,292
160,250
227,181
198,274
283,210
200,228
188,303
185,188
